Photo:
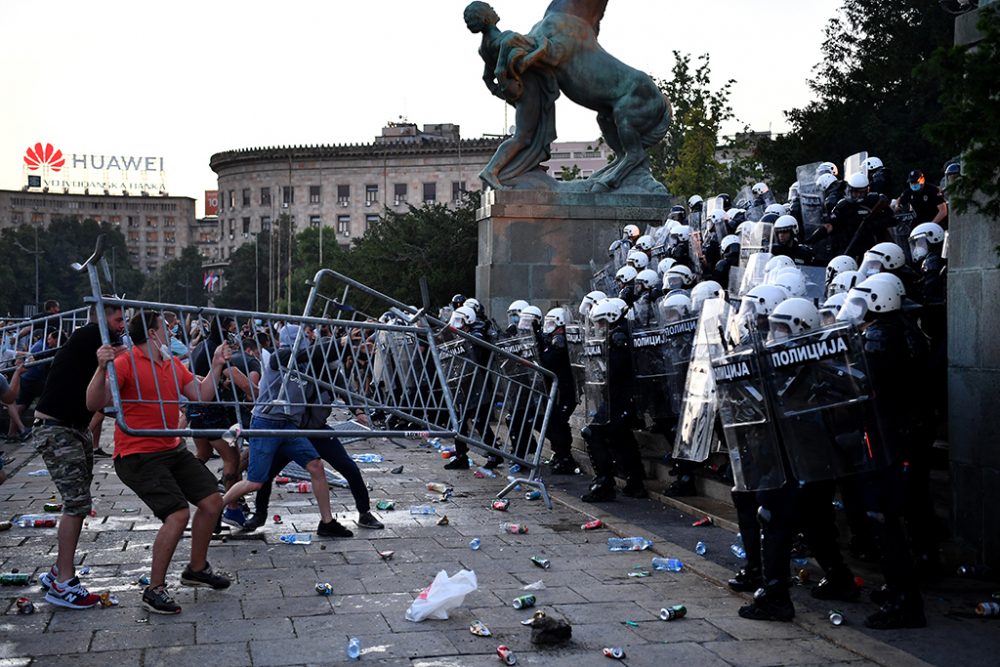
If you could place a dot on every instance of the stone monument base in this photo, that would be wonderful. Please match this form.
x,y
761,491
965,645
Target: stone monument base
x,y
538,245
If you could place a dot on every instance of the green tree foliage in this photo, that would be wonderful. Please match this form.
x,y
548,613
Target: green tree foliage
x,y
64,241
569,173
969,77
178,281
867,94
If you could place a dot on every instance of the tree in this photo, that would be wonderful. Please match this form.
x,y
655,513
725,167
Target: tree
x,y
867,94
970,120
567,173
178,281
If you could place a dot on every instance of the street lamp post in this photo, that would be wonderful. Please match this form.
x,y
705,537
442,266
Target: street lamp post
x,y
187,293
36,252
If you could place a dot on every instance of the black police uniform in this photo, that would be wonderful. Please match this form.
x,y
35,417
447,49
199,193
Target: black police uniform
x,y
857,225
555,358
925,203
800,253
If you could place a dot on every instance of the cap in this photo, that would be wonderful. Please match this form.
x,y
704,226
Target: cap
x,y
916,176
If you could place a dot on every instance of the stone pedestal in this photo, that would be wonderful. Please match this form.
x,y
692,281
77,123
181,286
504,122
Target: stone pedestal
x,y
538,245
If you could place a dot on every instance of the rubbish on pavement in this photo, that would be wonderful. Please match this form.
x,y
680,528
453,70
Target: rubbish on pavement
x,y
301,487
367,458
593,525
39,473
282,480
479,629
535,586
988,609
444,593
398,470
385,555
507,656
385,505
324,588
36,521
422,509
514,528
533,495
109,599
804,576
448,453
14,579
438,486
353,648
614,652
673,613
443,521
703,522
547,631
836,617
628,543
534,618
52,506
475,543
543,563
5,525
630,623
500,505
524,601
638,572
25,606
83,571
701,549
738,551
297,538
668,564
276,518
143,580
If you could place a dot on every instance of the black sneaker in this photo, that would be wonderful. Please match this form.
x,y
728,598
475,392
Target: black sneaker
x,y
101,454
206,578
493,462
566,466
158,601
254,522
333,529
746,581
769,604
368,520
599,494
460,462
635,491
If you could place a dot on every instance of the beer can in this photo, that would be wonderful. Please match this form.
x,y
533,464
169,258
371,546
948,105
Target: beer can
x,y
52,507
673,613
988,609
533,495
25,606
501,504
506,655
836,617
615,652
385,505
593,525
524,602
705,521
543,563
324,589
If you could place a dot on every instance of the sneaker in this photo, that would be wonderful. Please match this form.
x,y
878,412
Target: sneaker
x,y
206,578
368,520
254,522
458,463
101,454
71,594
333,529
45,580
24,435
234,517
158,601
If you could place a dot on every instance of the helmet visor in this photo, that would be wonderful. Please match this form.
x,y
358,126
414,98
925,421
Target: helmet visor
x,y
549,325
513,318
780,331
918,248
853,311
870,267
525,323
673,281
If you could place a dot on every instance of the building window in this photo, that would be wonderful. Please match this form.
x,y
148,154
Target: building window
x,y
265,223
246,197
17,217
246,227
343,195
152,237
369,221
232,199
116,220
152,221
314,221
430,193
132,221
371,194
170,237
457,191
399,194
232,228
313,194
37,218
169,222
133,236
265,196
168,252
344,225
287,195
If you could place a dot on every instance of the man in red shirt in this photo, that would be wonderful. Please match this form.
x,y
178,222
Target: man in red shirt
x,y
161,471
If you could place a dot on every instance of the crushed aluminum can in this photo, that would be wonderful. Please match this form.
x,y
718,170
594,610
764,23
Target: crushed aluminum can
x,y
988,609
25,606
524,602
543,563
702,522
500,505
533,495
108,599
506,655
5,525
836,617
52,507
479,629
614,652
143,580
324,588
282,480
276,518
443,521
593,525
386,555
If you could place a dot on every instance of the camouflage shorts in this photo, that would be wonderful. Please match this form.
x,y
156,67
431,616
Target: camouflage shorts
x,y
69,456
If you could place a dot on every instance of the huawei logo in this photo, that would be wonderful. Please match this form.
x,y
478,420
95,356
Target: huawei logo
x,y
37,156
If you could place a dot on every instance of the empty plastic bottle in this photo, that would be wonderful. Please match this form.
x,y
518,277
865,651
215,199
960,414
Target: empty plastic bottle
x,y
515,468
422,509
368,458
36,521
628,543
667,564
738,551
514,528
354,648
700,549
486,472
474,544
296,538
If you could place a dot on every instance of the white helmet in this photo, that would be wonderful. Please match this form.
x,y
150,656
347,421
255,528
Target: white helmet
x,y
529,316
631,232
464,316
694,200
680,234
871,164
777,209
588,301
554,319
828,311
827,168
759,189
718,218
648,278
608,310
728,241
777,263
637,259
678,277
922,237
873,295
786,223
473,304
824,181
664,265
764,299
702,292
793,191
791,279
675,306
626,274
644,242
517,306
838,265
857,181
843,282
882,257
743,228
669,226
890,279
792,317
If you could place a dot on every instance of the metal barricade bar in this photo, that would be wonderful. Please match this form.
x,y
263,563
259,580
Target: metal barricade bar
x,y
18,337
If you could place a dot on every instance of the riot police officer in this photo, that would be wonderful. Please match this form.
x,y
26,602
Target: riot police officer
x,y
858,221
786,230
730,247
555,358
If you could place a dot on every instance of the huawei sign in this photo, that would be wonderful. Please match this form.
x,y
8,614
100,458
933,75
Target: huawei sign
x,y
44,156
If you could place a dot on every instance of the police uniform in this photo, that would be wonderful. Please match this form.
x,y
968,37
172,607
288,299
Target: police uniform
x,y
555,358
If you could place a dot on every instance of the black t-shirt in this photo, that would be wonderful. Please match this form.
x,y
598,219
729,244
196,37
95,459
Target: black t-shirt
x,y
925,203
246,365
65,394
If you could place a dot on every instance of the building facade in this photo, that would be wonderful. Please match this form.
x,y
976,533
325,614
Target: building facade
x,y
581,158
344,188
156,228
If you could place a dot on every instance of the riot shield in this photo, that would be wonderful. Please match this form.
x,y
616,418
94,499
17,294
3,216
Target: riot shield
x,y
815,283
754,211
753,275
747,425
596,397
524,347
698,404
459,370
822,396
810,198
574,342
852,165
756,238
603,277
900,232
656,348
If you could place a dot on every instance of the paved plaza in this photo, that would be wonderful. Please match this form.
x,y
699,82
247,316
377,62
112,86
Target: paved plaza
x,y
272,614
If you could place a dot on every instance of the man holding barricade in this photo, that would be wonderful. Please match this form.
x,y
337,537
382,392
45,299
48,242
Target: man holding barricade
x,y
161,470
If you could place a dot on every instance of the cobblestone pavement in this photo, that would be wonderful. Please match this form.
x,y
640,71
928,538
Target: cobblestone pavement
x,y
273,616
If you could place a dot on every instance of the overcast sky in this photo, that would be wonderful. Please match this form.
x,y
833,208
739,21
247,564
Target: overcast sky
x,y
183,80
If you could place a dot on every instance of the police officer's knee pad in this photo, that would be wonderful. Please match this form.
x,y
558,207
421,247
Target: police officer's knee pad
x,y
763,515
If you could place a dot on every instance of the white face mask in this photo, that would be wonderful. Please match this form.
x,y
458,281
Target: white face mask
x,y
853,311
165,351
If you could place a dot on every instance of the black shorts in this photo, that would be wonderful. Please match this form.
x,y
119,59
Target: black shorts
x,y
166,481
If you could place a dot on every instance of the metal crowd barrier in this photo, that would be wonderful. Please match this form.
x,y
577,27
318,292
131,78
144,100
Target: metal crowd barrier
x,y
18,336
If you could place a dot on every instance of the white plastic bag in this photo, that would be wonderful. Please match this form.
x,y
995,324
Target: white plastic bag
x,y
443,594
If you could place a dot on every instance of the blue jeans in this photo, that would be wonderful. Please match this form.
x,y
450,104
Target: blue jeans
x,y
264,450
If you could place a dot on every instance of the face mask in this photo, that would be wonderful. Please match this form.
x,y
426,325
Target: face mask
x,y
165,351
513,319
548,327
915,187
853,311
918,250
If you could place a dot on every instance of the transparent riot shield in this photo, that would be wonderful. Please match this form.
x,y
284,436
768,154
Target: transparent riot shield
x,y
754,274
815,283
756,238
698,404
596,397
652,367
852,165
677,345
754,211
822,396
575,339
603,277
747,424
524,348
810,198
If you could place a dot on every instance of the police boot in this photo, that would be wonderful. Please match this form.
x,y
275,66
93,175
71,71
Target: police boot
x,y
906,611
602,490
634,488
839,585
771,602
681,487
746,580
565,466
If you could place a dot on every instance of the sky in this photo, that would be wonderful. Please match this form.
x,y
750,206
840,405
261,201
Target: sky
x,y
183,80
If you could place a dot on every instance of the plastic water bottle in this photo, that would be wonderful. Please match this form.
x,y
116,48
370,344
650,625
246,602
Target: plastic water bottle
x,y
667,564
434,443
37,521
513,528
296,538
422,509
628,543
368,458
514,469
354,648
486,472
474,544
700,549
738,551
